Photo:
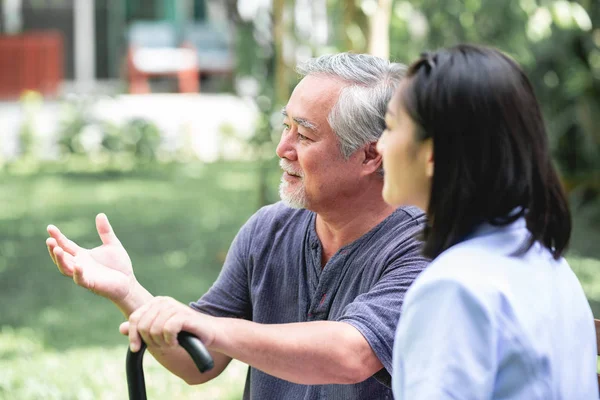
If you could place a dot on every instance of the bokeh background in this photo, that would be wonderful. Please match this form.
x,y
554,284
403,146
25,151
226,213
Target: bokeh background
x,y
164,114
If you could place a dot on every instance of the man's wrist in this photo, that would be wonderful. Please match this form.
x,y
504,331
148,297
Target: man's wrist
x,y
137,297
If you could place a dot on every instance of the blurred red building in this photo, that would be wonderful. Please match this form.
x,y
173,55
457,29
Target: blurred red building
x,y
46,43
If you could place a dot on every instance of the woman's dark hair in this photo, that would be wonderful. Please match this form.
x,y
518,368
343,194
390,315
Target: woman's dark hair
x,y
490,148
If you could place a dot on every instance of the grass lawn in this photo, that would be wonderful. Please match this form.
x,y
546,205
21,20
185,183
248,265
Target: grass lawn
x,y
59,342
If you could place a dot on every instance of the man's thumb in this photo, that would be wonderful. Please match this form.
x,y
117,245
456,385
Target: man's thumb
x,y
107,235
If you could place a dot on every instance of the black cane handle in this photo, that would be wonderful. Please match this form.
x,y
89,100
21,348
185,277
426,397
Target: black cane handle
x,y
135,372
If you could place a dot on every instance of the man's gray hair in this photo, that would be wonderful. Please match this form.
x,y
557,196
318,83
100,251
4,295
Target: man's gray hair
x,y
358,117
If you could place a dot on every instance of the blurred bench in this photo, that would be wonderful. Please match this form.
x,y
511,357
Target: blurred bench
x,y
154,51
214,47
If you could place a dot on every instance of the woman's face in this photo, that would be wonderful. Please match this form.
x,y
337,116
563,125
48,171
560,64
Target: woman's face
x,y
407,161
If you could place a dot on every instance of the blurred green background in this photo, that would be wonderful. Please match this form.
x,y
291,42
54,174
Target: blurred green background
x,y
176,213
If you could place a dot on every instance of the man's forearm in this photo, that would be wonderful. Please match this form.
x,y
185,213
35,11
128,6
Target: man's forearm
x,y
320,352
178,361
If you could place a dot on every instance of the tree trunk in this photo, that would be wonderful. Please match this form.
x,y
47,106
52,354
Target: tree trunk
x,y
379,30
281,86
349,18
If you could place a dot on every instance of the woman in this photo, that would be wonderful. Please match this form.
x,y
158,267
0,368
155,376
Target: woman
x,y
498,314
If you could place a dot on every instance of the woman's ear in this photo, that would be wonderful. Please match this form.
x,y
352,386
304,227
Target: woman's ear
x,y
372,158
428,148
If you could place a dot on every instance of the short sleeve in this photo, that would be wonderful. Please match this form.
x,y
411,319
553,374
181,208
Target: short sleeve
x,y
375,313
229,296
445,345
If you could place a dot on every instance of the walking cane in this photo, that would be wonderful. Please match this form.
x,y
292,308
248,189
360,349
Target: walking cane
x,y
135,372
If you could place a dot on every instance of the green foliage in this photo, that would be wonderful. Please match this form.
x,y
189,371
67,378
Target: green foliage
x,y
75,117
257,65
587,271
555,43
138,137
82,134
28,142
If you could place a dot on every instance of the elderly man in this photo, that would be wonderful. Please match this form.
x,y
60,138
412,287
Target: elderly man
x,y
312,286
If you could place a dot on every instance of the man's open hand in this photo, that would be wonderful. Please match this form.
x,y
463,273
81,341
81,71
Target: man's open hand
x,y
105,270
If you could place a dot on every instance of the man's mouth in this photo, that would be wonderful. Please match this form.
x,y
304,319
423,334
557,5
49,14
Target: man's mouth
x,y
290,176
287,169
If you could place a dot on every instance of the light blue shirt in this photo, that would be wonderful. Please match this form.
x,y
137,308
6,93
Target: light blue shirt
x,y
479,324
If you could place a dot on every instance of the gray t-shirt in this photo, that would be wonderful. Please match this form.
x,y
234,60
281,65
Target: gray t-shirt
x,y
273,275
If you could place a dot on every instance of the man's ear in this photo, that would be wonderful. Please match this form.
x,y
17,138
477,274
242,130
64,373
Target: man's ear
x,y
372,158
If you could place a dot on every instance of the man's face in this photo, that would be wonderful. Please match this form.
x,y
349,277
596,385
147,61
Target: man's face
x,y
316,175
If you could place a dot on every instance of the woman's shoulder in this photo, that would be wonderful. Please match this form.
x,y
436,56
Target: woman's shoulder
x,y
467,260
478,274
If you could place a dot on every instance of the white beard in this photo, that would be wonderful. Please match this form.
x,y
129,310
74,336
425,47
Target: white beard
x,y
295,198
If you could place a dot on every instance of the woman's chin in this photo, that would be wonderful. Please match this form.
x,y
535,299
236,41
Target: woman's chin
x,y
397,200
390,197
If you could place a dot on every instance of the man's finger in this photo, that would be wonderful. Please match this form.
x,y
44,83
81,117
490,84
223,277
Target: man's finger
x,y
67,245
105,231
124,328
64,261
50,245
79,279
135,341
172,327
157,326
145,324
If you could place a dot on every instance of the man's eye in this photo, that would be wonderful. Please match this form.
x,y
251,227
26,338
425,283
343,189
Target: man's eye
x,y
302,137
286,127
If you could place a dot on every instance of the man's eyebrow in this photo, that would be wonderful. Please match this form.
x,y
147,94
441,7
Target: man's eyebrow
x,y
306,123
301,121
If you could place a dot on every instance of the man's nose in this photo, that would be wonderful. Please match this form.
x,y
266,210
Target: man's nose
x,y
285,148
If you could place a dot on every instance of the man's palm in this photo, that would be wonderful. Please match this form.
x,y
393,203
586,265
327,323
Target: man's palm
x,y
105,270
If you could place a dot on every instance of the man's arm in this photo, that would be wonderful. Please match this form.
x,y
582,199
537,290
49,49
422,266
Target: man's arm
x,y
178,362
107,271
375,313
310,353
175,359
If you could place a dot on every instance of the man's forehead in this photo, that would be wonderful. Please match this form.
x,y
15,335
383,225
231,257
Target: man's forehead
x,y
316,92
313,98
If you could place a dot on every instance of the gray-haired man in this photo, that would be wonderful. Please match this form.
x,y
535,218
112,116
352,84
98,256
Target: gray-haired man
x,y
312,286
